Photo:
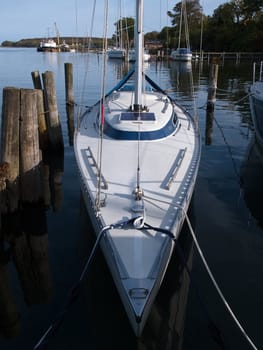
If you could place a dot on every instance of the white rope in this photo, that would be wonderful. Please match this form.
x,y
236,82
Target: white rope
x,y
215,283
211,275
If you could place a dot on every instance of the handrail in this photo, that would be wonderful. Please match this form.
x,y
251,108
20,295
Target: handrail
x,y
94,164
175,167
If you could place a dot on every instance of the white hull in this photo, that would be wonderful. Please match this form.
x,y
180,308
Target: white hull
x,y
138,258
181,55
117,53
138,154
256,108
132,56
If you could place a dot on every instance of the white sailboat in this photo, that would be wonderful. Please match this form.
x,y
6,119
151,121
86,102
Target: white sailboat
x,y
118,51
138,155
182,53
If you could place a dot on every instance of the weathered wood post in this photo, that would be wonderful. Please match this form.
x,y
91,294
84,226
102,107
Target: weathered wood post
x,y
42,125
36,80
211,98
55,136
30,162
43,139
69,100
69,83
10,147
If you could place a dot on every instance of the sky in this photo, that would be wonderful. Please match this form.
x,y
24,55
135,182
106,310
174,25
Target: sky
x,y
21,19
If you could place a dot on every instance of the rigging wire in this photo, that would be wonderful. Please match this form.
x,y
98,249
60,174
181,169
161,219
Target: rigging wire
x,y
79,114
102,103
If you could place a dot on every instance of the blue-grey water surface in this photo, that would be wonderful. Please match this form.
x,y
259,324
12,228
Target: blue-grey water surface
x,y
41,262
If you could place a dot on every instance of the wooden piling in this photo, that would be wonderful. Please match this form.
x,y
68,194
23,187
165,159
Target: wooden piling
x,y
69,83
10,147
36,80
211,98
30,162
42,125
55,137
43,139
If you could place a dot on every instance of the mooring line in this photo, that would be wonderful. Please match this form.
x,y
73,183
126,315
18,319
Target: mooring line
x,y
43,342
76,289
72,296
244,333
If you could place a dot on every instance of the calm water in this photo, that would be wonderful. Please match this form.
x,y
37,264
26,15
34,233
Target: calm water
x,y
40,262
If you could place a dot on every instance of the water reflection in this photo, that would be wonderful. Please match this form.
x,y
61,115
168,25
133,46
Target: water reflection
x,y
24,245
24,242
181,78
181,67
70,123
165,327
251,180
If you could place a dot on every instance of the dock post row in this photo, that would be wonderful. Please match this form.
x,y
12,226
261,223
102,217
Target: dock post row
x,y
31,128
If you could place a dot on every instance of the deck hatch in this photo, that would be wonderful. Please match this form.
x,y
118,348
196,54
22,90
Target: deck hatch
x,y
138,293
137,116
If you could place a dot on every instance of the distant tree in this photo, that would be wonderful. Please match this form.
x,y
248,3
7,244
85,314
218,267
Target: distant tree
x,y
250,9
235,26
8,43
167,37
151,36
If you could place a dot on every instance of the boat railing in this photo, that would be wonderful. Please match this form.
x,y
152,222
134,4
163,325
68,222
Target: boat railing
x,y
175,167
93,163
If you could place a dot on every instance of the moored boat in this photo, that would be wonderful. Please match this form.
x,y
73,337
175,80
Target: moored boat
x,y
116,53
181,54
132,56
138,154
48,45
256,103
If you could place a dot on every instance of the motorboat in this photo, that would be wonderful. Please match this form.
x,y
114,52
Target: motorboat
x,y
48,45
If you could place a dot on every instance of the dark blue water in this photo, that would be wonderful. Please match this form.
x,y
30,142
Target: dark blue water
x,y
42,261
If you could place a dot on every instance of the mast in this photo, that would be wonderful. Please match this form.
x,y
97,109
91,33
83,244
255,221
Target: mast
x,y
180,25
139,53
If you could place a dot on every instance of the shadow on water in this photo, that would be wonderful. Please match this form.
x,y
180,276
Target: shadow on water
x,y
24,241
251,179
